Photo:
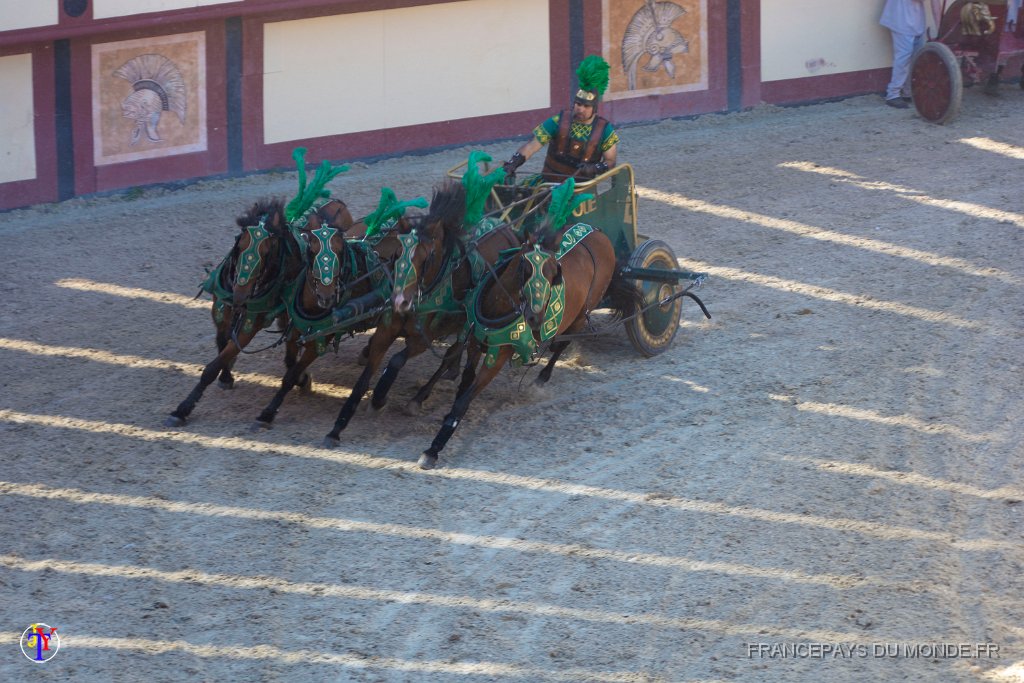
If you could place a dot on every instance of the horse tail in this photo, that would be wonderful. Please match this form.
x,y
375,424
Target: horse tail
x,y
623,296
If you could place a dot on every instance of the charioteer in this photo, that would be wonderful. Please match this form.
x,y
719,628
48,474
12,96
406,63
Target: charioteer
x,y
580,143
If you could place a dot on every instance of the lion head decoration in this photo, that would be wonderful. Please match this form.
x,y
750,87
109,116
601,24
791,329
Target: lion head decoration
x,y
650,33
157,86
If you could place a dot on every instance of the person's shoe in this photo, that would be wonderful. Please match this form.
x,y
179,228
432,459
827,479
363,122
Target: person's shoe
x,y
907,99
897,103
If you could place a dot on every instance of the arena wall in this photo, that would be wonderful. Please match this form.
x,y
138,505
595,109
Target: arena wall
x,y
240,83
801,38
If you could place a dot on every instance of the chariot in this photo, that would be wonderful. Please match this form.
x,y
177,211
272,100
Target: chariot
x,y
649,262
976,43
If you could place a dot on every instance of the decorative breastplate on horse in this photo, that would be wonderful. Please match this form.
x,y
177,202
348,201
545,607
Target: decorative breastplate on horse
x,y
214,284
518,333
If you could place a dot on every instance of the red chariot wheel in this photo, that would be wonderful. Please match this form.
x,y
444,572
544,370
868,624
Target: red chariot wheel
x,y
936,83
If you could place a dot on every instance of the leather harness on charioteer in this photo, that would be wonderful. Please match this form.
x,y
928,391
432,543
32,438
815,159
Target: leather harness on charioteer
x,y
573,144
577,149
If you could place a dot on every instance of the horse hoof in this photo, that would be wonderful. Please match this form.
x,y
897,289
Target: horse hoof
x,y
427,461
306,388
413,409
226,386
260,425
331,441
377,409
174,421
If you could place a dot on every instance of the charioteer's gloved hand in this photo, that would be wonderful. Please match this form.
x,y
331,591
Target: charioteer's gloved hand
x,y
592,170
512,164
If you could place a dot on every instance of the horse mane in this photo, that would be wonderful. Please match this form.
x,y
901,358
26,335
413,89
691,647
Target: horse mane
x,y
447,207
261,208
271,209
544,234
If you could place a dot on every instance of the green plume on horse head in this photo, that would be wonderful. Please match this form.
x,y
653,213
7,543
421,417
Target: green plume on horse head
x,y
309,194
389,209
563,203
478,186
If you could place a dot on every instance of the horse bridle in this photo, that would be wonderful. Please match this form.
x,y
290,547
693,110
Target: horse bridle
x,y
327,266
405,268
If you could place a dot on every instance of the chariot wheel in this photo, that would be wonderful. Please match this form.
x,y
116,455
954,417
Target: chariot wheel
x,y
653,331
936,83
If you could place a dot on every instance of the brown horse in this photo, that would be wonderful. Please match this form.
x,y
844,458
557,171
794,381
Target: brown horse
x,y
432,276
342,280
517,307
247,291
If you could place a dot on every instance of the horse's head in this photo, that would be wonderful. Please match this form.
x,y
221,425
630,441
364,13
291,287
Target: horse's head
x,y
426,246
418,252
326,251
260,250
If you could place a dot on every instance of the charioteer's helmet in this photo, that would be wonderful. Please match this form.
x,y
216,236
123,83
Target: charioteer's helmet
x,y
593,80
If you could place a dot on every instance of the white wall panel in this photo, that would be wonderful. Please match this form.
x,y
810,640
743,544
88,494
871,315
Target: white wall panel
x,y
801,38
15,14
104,9
17,123
372,70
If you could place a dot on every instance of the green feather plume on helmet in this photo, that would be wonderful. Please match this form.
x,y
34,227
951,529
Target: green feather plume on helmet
x,y
593,75
563,203
388,209
478,187
308,194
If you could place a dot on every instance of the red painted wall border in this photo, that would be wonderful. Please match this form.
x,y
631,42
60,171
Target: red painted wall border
x,y
811,88
43,188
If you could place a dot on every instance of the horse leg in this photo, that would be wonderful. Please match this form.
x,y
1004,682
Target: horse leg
x,y
379,343
223,360
295,375
413,347
428,460
304,381
556,350
226,380
453,367
449,369
387,378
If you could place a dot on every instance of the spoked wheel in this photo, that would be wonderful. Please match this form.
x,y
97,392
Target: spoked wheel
x,y
936,83
653,331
